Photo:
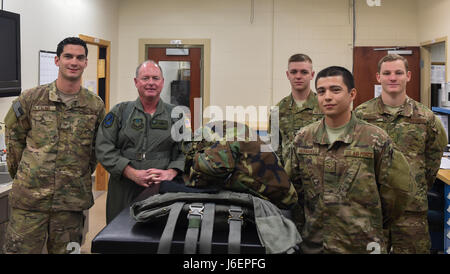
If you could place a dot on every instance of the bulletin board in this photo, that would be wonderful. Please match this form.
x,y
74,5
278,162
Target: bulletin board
x,y
48,71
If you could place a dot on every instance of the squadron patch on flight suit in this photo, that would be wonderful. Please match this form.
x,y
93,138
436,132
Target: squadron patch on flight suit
x,y
109,120
138,123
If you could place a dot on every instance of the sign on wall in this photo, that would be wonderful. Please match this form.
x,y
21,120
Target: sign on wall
x,y
48,71
374,3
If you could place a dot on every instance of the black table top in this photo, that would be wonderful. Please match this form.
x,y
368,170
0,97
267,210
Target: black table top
x,y
125,235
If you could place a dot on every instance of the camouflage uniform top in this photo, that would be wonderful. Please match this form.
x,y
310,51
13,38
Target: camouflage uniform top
x,y
236,162
51,149
292,118
419,135
349,190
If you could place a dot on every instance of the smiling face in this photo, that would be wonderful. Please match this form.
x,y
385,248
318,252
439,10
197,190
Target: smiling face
x,y
334,99
71,62
300,75
149,82
393,77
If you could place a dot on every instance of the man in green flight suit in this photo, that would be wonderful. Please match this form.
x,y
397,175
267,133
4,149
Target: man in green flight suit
x,y
298,109
351,180
420,136
134,142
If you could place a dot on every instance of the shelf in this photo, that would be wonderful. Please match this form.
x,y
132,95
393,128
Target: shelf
x,y
441,110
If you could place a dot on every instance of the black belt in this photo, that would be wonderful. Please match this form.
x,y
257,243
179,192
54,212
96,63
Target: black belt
x,y
149,155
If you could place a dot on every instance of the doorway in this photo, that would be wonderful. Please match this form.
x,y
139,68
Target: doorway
x,y
434,70
182,74
102,87
365,67
186,68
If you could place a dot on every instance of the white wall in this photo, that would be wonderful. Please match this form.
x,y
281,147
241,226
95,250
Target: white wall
x,y
44,23
240,51
249,59
394,23
319,28
438,53
323,30
90,72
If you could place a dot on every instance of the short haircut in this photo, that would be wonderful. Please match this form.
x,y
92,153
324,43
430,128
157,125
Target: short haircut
x,y
70,41
299,57
347,76
392,58
148,61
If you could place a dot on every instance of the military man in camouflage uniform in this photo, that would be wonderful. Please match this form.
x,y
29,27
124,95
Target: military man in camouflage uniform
x,y
419,134
298,109
50,131
232,158
350,179
134,142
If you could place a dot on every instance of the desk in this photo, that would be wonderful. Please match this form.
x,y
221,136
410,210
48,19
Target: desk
x,y
444,176
124,235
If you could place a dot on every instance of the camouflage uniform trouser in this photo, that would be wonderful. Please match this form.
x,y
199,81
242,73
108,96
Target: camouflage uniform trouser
x,y
27,231
412,234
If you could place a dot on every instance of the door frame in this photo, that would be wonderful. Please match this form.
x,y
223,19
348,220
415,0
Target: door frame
x,y
425,70
102,44
101,176
205,63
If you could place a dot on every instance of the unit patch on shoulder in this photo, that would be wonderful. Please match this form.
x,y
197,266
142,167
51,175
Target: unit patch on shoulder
x,y
109,120
17,107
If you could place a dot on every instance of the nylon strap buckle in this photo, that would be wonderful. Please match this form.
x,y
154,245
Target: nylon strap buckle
x,y
196,210
235,215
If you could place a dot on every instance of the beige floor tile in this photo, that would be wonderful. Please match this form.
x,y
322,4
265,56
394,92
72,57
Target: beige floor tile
x,y
96,220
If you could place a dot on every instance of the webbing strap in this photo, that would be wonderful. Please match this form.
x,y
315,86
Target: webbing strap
x,y
195,219
207,228
234,236
165,241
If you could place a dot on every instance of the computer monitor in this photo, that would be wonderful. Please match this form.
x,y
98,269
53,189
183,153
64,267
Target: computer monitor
x,y
10,80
